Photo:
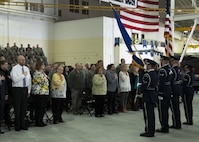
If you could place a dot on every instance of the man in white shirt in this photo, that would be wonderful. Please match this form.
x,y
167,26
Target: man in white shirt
x,y
21,86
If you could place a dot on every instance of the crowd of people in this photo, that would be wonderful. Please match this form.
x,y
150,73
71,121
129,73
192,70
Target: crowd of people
x,y
117,88
31,54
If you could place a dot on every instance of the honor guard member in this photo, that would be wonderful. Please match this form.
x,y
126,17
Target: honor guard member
x,y
149,90
164,93
188,93
177,93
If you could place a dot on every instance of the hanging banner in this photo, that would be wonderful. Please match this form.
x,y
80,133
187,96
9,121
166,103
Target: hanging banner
x,y
122,3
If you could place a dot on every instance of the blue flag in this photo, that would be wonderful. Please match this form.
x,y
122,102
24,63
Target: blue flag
x,y
128,41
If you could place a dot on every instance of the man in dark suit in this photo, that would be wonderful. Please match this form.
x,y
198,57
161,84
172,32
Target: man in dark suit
x,y
6,73
3,97
149,90
164,93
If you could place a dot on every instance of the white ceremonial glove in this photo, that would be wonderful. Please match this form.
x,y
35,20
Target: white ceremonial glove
x,y
180,99
140,96
160,97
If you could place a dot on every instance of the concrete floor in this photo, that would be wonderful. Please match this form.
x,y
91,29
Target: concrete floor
x,y
122,127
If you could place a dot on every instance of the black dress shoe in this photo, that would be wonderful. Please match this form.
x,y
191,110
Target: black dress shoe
x,y
41,125
17,129
97,115
135,109
24,128
178,127
162,131
146,135
61,121
55,122
172,127
101,115
116,112
175,127
186,123
44,124
1,132
110,113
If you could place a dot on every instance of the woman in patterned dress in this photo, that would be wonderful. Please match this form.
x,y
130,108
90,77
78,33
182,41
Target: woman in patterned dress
x,y
40,89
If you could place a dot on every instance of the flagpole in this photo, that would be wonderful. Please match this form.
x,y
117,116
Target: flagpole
x,y
190,36
172,13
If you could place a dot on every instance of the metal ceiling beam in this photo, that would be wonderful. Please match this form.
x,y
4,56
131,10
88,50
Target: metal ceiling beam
x,y
186,28
183,17
194,4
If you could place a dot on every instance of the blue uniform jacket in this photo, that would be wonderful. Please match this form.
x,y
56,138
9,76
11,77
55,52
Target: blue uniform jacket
x,y
177,81
149,86
188,81
165,78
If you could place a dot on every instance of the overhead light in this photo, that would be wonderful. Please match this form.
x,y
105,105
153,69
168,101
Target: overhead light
x,y
185,32
86,7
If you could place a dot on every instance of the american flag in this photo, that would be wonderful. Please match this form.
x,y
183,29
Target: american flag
x,y
168,32
140,19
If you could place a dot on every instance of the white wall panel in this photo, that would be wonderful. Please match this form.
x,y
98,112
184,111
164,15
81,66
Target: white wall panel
x,y
92,27
108,40
25,30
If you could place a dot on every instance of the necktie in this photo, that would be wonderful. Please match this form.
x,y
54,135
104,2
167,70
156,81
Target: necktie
x,y
24,79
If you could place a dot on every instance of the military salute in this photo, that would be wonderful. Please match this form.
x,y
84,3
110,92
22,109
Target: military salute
x,y
188,93
164,93
177,92
149,90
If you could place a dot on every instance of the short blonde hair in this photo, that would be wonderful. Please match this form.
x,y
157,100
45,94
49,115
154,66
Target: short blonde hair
x,y
123,66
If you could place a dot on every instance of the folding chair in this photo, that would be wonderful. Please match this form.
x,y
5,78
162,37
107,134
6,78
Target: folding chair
x,y
49,119
87,103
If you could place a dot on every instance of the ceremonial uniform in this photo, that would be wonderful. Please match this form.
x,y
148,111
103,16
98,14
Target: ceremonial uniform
x,y
149,90
177,92
164,95
188,94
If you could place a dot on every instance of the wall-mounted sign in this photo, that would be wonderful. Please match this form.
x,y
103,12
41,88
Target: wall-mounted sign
x,y
123,3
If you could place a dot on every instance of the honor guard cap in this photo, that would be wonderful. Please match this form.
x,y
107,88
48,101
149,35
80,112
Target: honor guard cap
x,y
164,57
150,62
